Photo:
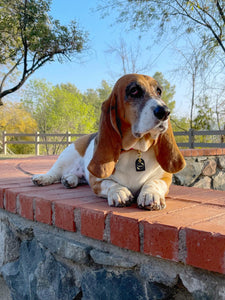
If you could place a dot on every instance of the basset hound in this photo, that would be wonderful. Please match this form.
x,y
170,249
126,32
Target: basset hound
x,y
134,153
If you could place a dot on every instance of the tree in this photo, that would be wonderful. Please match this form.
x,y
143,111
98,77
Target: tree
x,y
129,56
15,119
30,38
204,116
58,109
203,17
95,98
193,67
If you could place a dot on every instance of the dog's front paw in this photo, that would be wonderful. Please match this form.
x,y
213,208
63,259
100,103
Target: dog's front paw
x,y
151,200
119,196
70,180
43,179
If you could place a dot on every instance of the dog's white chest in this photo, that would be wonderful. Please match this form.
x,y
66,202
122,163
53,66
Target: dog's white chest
x,y
126,173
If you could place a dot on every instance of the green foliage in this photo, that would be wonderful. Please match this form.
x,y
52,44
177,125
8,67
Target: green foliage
x,y
68,112
180,124
95,98
58,108
30,37
62,108
15,119
204,118
168,90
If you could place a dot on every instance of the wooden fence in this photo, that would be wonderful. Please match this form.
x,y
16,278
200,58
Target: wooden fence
x,y
185,139
200,139
37,140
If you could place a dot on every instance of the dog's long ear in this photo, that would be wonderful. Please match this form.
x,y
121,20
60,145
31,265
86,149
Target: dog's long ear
x,y
167,152
109,142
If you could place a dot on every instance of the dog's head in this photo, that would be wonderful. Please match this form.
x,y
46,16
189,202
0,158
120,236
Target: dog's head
x,y
135,116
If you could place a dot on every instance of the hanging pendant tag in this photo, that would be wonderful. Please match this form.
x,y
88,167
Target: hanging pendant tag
x,y
140,165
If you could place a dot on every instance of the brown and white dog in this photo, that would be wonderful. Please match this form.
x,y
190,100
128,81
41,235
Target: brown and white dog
x,y
134,153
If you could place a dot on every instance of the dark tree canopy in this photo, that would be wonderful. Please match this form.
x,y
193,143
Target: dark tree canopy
x,y
30,37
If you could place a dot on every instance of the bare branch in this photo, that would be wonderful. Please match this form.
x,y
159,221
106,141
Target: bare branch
x,y
221,12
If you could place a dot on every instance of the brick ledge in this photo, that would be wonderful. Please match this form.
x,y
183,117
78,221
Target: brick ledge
x,y
203,152
190,230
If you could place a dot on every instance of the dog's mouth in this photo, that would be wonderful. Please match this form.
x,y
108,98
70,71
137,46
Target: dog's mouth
x,y
159,128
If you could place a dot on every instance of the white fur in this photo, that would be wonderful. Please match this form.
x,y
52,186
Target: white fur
x,y
152,194
69,165
125,183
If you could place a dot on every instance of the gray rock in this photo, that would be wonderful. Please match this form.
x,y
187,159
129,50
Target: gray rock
x,y
221,162
9,245
209,168
52,280
127,285
203,183
189,174
37,275
108,259
219,181
161,272
203,285
4,290
66,248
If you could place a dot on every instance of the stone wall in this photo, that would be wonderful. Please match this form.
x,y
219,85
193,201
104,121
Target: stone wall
x,y
207,172
38,261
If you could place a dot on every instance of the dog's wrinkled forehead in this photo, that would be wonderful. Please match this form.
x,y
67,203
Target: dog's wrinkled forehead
x,y
137,86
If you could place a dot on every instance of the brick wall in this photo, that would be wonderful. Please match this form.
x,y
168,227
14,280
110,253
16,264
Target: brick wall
x,y
188,234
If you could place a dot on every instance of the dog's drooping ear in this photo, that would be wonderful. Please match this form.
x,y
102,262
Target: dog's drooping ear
x,y
167,152
109,141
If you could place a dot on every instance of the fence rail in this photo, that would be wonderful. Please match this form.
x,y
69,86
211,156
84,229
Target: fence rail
x,y
185,139
66,139
210,139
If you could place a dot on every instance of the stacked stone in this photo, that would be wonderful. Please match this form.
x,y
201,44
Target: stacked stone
x,y
42,263
207,172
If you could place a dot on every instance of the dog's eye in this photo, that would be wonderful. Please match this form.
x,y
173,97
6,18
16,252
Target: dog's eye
x,y
134,91
159,91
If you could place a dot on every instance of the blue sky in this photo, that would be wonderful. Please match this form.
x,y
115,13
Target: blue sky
x,y
97,65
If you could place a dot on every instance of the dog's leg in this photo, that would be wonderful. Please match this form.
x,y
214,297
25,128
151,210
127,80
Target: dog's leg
x,y
67,168
153,192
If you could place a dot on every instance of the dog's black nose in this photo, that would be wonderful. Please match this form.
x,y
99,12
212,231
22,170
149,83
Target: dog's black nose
x,y
161,112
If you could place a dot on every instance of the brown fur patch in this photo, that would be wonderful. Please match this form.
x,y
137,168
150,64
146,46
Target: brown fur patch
x,y
95,185
82,143
167,152
167,178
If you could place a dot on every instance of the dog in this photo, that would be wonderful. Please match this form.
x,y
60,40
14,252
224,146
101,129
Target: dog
x,y
134,153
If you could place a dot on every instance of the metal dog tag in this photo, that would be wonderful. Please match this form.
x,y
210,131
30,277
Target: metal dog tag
x,y
140,165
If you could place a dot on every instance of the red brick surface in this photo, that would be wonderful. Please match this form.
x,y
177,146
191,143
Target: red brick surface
x,y
43,211
161,240
124,232
93,222
205,250
193,221
203,152
64,216
26,207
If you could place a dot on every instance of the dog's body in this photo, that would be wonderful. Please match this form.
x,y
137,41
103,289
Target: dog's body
x,y
134,153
